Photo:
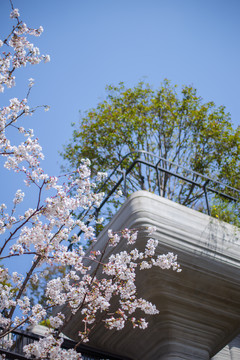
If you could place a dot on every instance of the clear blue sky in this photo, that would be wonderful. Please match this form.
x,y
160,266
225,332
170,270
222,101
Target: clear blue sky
x,y
97,42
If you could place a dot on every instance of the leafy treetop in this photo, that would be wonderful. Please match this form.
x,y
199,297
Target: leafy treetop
x,y
174,124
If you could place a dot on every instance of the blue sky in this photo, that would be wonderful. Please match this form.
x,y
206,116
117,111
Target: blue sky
x,y
93,43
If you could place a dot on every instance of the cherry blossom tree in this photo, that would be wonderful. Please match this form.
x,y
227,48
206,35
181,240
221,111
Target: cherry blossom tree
x,y
44,231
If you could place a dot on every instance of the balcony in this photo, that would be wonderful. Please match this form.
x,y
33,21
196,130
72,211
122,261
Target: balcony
x,y
199,307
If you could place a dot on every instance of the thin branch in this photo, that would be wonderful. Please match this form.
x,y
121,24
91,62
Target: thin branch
x,y
19,227
26,253
21,290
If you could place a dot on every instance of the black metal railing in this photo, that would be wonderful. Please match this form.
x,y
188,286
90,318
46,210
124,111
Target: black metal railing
x,y
20,338
170,180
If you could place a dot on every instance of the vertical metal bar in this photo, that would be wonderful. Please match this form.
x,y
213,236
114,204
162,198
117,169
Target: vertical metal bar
x,y
158,180
159,177
206,197
124,183
164,178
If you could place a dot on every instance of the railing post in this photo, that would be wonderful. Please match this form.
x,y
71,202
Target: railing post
x,y
124,183
158,178
206,197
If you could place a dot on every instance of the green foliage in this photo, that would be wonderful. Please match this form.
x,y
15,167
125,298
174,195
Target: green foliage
x,y
225,212
46,323
173,124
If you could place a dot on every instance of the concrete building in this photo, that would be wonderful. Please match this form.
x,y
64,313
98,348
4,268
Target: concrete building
x,y
199,307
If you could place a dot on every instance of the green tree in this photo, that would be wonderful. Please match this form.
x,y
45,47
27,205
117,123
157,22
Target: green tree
x,y
173,124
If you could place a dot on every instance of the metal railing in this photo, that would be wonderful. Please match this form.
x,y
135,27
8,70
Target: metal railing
x,y
20,338
165,172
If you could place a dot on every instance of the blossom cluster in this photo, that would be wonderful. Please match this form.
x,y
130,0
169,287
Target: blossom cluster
x,y
24,52
50,348
44,232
